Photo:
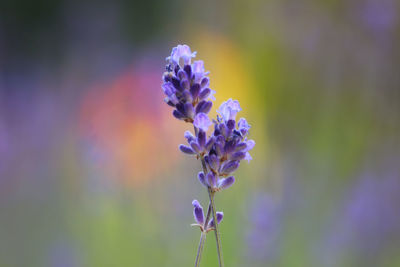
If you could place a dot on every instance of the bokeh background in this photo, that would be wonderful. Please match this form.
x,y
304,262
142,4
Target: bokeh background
x,y
90,173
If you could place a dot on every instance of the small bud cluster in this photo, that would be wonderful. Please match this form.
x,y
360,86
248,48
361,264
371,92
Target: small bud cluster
x,y
186,87
201,222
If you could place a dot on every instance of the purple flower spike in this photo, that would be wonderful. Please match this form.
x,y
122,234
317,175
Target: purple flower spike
x,y
211,180
220,216
202,121
229,109
202,179
181,52
198,212
227,182
186,150
230,167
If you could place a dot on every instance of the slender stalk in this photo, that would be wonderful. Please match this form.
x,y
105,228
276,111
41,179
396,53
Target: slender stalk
x,y
214,212
214,215
200,249
216,231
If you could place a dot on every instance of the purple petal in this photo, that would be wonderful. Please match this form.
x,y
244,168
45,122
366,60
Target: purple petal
x,y
227,182
250,144
248,157
202,121
244,127
229,109
186,149
198,212
181,52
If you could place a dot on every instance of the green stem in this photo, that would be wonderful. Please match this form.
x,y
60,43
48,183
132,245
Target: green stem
x,y
200,249
214,214
216,231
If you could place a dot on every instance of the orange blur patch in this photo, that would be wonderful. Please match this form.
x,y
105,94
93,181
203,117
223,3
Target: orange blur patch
x,y
128,122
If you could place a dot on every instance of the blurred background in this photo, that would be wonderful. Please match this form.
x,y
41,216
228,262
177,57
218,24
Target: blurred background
x,y
90,172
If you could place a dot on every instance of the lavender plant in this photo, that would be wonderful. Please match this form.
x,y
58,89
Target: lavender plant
x,y
186,86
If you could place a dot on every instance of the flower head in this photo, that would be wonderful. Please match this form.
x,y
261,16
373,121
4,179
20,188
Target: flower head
x,y
186,85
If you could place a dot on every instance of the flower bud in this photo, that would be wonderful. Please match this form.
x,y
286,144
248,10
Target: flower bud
x,y
195,90
226,182
201,138
195,147
210,143
220,216
230,167
211,180
204,93
202,179
186,150
198,212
